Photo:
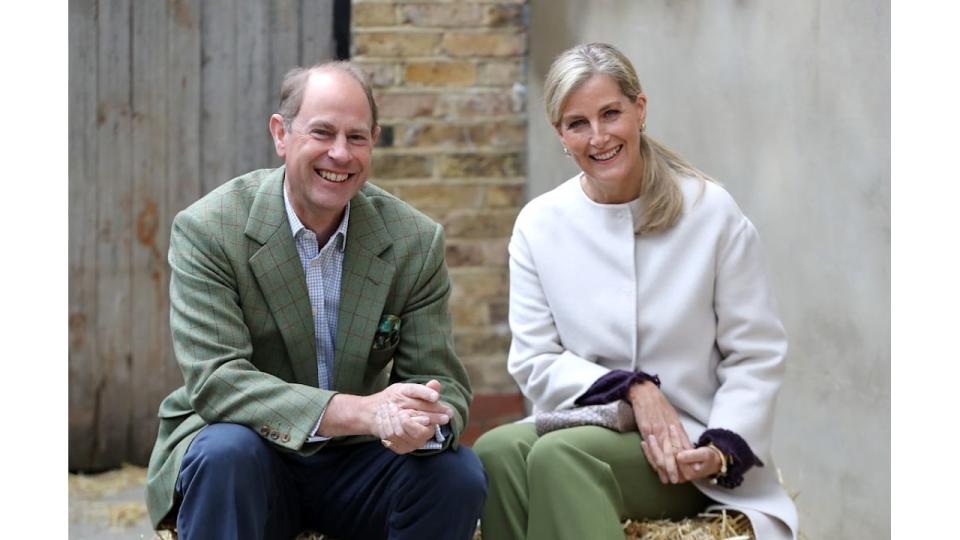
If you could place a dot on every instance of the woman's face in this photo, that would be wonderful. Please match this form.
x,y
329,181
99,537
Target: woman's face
x,y
600,127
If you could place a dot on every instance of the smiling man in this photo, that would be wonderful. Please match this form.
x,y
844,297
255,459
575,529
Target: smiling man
x,y
309,318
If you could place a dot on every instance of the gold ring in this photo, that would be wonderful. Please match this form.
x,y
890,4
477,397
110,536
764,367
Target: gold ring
x,y
386,443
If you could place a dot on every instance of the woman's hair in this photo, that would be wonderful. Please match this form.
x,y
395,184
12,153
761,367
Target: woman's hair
x,y
663,199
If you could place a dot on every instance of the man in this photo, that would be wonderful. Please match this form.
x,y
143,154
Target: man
x,y
291,291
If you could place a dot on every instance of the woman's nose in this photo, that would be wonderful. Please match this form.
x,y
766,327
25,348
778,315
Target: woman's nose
x,y
599,137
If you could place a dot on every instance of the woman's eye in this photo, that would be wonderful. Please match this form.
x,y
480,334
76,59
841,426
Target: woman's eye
x,y
612,113
576,124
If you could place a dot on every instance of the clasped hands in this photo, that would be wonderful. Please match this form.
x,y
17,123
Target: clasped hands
x,y
403,415
665,443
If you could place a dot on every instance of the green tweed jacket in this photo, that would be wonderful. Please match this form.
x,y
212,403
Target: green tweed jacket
x,y
242,324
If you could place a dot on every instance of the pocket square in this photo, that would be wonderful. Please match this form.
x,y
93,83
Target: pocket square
x,y
388,333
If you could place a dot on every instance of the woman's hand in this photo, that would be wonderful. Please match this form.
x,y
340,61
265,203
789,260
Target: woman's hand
x,y
698,463
663,434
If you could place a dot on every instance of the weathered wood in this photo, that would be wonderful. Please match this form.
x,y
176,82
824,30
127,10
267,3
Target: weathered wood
x,y
168,100
284,36
84,366
184,182
219,91
316,32
252,76
148,273
114,223
184,77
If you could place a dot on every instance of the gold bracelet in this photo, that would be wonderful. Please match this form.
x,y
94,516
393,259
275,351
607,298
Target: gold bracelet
x,y
723,463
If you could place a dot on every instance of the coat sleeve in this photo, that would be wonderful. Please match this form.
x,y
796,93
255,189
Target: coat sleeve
x,y
213,346
549,375
426,349
750,338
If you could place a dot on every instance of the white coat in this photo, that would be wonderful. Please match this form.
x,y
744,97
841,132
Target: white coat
x,y
691,305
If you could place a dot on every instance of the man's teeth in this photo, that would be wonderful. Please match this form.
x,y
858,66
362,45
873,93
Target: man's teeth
x,y
608,155
332,176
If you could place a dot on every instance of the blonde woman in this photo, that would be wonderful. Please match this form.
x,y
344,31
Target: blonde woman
x,y
639,280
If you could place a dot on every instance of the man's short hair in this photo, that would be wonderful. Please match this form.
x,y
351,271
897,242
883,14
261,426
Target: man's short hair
x,y
295,81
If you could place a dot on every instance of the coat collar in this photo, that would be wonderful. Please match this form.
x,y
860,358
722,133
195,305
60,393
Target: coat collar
x,y
363,293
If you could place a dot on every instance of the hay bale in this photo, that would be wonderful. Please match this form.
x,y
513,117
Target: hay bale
x,y
708,526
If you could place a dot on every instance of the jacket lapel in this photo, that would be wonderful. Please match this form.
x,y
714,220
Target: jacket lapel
x,y
277,268
363,294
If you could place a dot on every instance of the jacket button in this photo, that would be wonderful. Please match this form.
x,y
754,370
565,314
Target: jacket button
x,y
264,430
274,434
285,437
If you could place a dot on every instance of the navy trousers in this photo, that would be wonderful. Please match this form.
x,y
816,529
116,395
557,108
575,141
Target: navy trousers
x,y
234,484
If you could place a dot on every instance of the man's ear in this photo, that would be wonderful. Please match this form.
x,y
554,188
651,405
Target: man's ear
x,y
376,134
278,133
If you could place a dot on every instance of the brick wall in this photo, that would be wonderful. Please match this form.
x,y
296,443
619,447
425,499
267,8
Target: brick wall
x,y
450,82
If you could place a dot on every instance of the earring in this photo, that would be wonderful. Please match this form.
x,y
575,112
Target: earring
x,y
565,150
643,127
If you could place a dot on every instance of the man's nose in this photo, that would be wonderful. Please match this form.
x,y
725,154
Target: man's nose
x,y
339,151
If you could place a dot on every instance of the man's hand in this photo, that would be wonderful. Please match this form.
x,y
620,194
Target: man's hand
x,y
659,425
407,430
405,411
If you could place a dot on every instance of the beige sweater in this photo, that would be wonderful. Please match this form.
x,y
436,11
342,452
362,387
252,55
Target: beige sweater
x,y
691,305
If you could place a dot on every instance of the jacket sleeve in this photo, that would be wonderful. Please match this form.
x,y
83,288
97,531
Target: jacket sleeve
x,y
426,349
213,346
750,338
549,375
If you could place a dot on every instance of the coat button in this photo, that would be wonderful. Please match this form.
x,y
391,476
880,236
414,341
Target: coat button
x,y
274,434
264,430
285,437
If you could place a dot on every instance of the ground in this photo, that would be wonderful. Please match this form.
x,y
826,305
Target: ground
x,y
110,506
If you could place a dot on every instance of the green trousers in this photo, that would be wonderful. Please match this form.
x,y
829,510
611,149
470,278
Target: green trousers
x,y
577,483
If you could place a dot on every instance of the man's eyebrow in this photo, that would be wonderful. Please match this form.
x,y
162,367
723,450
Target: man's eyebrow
x,y
313,124
329,126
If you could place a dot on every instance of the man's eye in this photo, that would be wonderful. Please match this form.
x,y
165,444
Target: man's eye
x,y
320,133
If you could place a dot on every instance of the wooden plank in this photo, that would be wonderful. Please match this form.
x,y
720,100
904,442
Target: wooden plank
x,y
219,92
284,38
316,31
184,181
114,226
83,366
252,75
148,270
184,184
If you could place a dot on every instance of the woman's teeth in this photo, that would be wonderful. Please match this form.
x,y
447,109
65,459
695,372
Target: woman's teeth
x,y
608,155
332,176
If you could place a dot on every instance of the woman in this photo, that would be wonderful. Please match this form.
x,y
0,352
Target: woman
x,y
641,280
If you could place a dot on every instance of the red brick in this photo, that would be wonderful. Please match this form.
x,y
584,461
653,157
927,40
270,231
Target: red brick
x,y
440,74
407,105
484,44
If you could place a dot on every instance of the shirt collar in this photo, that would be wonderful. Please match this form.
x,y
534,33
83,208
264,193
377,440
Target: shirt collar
x,y
296,225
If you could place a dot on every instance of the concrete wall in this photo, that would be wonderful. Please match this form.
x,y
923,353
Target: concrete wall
x,y
788,104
